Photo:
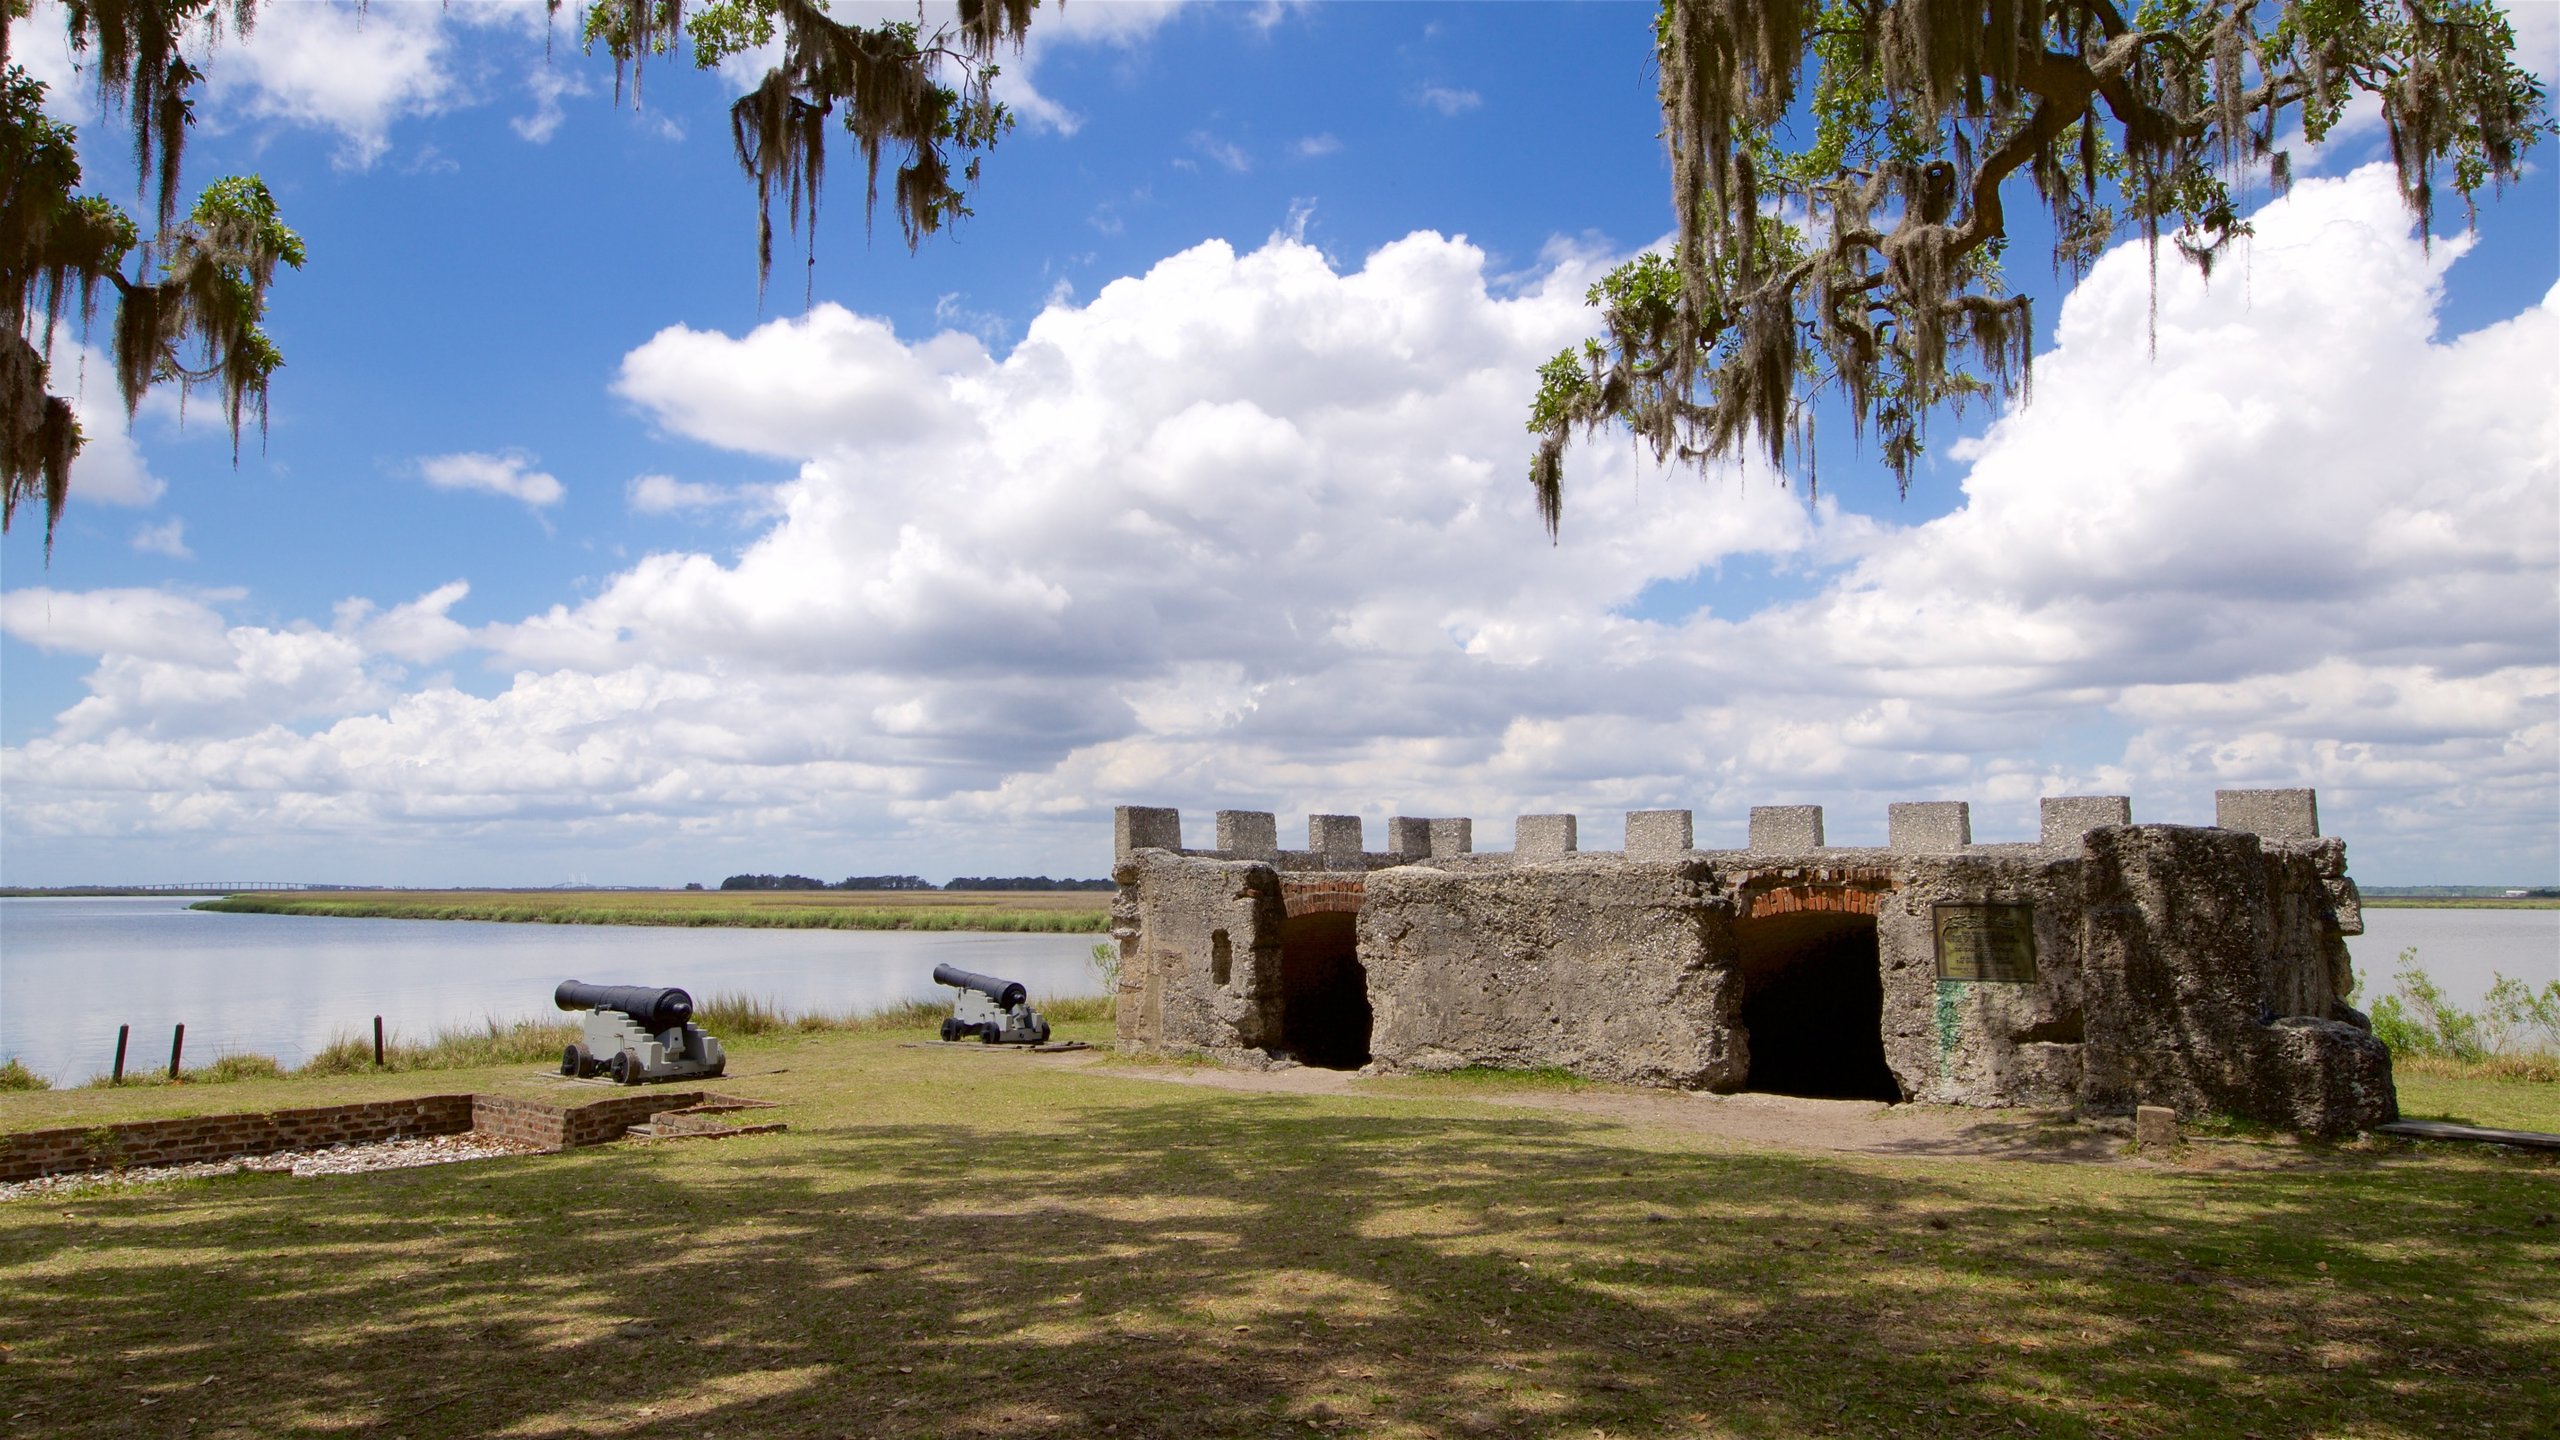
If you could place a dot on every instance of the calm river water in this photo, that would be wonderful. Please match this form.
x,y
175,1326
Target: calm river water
x,y
2459,949
72,970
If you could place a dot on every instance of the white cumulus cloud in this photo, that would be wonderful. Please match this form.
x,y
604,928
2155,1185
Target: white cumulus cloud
x,y
420,630
2537,26
664,494
166,538
39,44
509,473
1252,530
1120,25
340,68
548,83
152,624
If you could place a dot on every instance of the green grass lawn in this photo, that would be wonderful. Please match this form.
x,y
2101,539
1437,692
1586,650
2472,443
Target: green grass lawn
x,y
2471,1100
954,1242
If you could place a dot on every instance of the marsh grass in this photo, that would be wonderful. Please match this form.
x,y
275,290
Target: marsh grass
x,y
16,1076
1004,912
229,1068
2542,1068
964,1246
491,1042
729,1015
232,1068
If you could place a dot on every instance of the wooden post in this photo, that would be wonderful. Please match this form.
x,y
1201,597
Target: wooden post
x,y
123,1033
177,1047
377,1042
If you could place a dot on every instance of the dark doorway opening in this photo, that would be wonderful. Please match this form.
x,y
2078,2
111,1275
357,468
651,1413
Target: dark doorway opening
x,y
1324,992
1813,1006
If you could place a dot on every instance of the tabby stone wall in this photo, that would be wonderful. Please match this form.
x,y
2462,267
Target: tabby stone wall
x,y
2100,966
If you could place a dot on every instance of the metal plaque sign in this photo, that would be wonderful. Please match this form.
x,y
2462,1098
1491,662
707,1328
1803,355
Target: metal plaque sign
x,y
1986,942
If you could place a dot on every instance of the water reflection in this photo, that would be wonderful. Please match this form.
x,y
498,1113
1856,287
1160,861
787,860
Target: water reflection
x,y
72,970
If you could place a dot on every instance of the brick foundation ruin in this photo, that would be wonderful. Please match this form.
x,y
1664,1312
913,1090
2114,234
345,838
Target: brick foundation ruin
x,y
2103,965
543,1124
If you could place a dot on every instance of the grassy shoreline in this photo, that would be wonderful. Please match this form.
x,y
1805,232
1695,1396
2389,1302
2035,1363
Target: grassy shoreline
x,y
2459,902
1002,912
735,1019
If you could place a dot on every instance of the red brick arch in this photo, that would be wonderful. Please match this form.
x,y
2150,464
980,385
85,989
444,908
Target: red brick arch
x,y
1322,895
1849,893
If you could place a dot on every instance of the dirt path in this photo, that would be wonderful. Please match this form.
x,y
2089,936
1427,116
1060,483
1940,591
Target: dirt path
x,y
1860,1126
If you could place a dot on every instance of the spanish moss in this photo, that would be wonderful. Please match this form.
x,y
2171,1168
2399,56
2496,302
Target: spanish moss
x,y
188,303
1888,131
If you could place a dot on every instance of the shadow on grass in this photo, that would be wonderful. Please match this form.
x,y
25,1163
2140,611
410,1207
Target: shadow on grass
x,y
1273,1267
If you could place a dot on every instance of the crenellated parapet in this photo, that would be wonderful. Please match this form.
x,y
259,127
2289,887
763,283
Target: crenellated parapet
x,y
1919,827
1334,842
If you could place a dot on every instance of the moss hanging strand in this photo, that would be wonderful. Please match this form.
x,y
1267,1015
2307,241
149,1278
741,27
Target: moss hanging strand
x,y
1886,134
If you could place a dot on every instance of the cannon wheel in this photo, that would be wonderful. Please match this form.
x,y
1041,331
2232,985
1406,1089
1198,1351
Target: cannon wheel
x,y
627,1069
950,1028
991,1032
576,1061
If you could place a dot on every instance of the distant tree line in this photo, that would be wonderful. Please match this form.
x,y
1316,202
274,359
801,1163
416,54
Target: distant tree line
x,y
909,882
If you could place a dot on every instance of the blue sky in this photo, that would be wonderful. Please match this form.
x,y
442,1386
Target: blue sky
x,y
1188,472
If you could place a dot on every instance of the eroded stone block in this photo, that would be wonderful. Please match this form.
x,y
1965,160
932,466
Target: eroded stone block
x,y
2346,902
1408,837
1249,834
1545,835
2269,814
1657,834
1453,837
2155,1129
2068,817
1145,827
1786,827
1335,837
1929,826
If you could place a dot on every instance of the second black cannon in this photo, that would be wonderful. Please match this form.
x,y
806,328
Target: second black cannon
x,y
996,1011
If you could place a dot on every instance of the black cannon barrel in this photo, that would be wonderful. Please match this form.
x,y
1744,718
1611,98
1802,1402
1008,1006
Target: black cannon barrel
x,y
651,1007
1007,993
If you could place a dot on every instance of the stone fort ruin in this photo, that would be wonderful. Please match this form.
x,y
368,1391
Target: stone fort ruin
x,y
2102,966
